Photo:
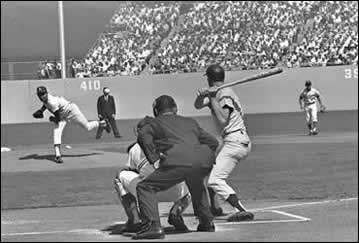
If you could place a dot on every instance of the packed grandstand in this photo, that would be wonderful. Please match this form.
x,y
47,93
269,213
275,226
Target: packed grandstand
x,y
174,37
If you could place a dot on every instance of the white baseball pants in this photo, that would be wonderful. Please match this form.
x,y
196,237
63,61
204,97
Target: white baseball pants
x,y
235,147
311,113
73,114
130,179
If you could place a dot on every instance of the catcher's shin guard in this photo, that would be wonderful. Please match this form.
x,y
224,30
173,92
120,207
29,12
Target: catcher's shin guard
x,y
180,205
129,203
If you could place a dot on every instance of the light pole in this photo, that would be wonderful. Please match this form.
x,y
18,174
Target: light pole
x,y
62,39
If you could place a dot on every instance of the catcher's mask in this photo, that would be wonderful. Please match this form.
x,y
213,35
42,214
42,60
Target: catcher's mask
x,y
164,103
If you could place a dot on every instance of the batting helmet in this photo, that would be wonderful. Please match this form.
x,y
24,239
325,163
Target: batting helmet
x,y
162,103
308,83
215,73
41,90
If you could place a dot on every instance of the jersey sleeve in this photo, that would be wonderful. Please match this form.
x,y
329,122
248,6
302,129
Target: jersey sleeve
x,y
301,95
225,99
53,105
317,94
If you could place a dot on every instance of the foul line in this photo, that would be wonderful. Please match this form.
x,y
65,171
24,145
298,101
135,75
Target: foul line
x,y
302,204
90,231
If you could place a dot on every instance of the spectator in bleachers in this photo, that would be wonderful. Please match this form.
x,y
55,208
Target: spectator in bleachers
x,y
237,35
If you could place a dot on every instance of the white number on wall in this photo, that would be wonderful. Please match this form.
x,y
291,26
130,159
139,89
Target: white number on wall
x,y
350,73
90,85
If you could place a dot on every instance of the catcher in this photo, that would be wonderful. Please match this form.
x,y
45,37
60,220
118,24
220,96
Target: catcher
x,y
309,96
63,111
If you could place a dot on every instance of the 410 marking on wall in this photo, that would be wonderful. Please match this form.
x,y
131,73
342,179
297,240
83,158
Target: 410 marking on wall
x,y
89,85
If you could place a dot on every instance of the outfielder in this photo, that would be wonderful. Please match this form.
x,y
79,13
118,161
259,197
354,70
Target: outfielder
x,y
228,116
309,96
138,168
63,111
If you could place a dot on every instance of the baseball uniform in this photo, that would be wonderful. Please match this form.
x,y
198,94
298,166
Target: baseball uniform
x,y
235,145
68,112
140,168
310,104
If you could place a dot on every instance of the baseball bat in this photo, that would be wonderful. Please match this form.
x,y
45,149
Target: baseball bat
x,y
252,78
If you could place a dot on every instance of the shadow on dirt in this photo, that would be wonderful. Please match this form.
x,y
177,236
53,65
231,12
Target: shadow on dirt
x,y
116,229
51,157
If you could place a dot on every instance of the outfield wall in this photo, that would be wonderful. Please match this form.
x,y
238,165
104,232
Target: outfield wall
x,y
135,94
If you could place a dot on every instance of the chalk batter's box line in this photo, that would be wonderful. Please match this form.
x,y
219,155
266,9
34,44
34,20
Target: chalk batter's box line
x,y
296,218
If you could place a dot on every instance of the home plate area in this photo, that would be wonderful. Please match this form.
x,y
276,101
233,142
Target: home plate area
x,y
262,216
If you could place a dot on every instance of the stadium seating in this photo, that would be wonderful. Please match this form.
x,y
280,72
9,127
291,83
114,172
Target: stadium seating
x,y
171,37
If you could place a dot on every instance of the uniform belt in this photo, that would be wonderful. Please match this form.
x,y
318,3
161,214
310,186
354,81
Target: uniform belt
x,y
238,130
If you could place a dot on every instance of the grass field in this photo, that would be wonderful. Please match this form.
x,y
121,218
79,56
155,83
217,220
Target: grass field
x,y
303,175
279,167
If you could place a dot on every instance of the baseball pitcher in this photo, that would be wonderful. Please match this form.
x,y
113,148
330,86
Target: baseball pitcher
x,y
63,111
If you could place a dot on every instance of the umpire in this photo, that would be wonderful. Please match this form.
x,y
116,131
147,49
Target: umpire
x,y
185,152
106,110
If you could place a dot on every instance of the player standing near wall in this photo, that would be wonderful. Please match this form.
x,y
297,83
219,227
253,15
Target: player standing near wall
x,y
309,96
63,111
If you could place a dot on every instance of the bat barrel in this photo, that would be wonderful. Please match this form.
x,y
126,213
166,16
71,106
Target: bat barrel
x,y
252,78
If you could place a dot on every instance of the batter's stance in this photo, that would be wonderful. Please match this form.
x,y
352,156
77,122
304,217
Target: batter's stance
x,y
63,111
309,96
227,112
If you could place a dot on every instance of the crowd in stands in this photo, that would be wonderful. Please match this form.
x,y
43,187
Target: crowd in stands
x,y
49,70
237,35
332,37
136,32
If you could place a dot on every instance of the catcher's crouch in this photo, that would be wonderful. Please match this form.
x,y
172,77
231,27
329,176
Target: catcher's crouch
x,y
137,169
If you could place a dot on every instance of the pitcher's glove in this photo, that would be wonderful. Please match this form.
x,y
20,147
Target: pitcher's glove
x,y
38,114
323,109
54,119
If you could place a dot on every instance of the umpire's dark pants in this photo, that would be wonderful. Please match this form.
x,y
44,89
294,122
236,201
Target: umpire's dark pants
x,y
112,122
164,178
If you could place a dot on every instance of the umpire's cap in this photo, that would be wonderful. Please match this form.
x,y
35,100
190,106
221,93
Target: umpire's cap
x,y
215,73
162,103
308,83
41,90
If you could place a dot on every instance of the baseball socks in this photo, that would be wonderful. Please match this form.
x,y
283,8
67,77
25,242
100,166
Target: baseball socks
x,y
58,158
216,210
234,201
314,130
310,128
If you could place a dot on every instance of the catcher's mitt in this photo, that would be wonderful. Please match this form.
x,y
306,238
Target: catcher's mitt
x,y
54,119
323,109
38,114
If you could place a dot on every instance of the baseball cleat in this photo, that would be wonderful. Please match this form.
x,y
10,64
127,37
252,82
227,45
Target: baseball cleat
x,y
177,221
217,212
206,227
58,160
314,132
241,216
